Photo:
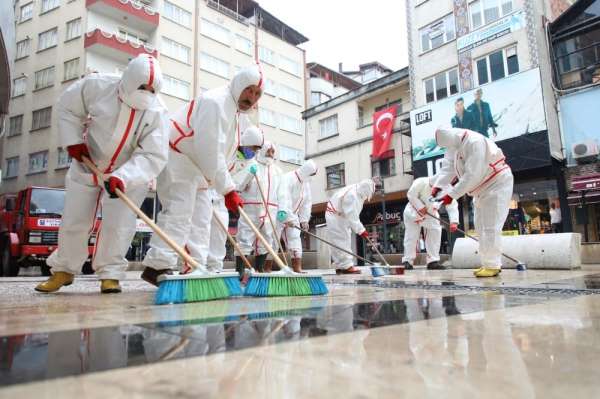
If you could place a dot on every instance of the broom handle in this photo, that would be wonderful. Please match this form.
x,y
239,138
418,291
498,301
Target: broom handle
x,y
180,251
232,241
333,245
470,236
266,205
377,251
262,239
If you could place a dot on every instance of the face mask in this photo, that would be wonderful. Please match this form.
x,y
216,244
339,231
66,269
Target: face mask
x,y
248,153
139,99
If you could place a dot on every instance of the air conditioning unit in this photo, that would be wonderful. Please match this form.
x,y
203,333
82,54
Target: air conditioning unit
x,y
585,151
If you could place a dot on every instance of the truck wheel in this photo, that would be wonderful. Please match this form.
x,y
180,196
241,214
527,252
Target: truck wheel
x,y
46,270
10,267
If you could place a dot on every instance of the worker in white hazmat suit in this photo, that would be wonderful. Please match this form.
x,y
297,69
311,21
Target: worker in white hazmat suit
x,y
295,205
203,223
121,125
474,165
343,218
268,175
205,135
416,217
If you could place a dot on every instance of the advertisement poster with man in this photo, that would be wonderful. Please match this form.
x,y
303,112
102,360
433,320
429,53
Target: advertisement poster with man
x,y
500,110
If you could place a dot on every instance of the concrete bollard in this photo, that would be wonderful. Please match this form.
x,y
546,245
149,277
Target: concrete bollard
x,y
538,251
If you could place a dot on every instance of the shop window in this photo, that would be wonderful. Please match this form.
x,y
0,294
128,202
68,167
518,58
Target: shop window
x,y
336,176
384,166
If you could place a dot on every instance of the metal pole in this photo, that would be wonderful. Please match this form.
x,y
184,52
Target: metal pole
x,y
585,217
385,235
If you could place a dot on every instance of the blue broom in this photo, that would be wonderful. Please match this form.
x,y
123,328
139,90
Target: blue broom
x,y
199,285
282,283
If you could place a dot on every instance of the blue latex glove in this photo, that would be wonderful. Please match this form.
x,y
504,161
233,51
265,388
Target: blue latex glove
x,y
281,216
253,169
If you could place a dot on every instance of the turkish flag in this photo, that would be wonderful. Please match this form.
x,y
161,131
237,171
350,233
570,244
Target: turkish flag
x,y
383,124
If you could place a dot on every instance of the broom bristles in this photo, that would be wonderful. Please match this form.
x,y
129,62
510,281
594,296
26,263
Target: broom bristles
x,y
285,285
197,289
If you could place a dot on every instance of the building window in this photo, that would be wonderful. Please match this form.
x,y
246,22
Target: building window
x,y
497,65
175,50
577,58
289,65
38,162
243,44
23,48
71,69
328,127
19,86
132,37
15,126
47,39
441,85
63,159
266,55
267,117
12,167
73,29
270,87
215,31
289,94
26,12
214,65
484,12
336,176
177,14
290,124
385,165
316,98
437,33
48,5
175,87
291,155
44,78
42,118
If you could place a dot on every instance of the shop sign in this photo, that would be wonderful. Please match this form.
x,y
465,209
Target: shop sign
x,y
515,103
504,26
390,217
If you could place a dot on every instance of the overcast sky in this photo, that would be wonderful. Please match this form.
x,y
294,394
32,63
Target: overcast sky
x,y
349,31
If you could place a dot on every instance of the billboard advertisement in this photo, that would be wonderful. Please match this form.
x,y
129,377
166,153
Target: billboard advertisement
x,y
580,122
506,108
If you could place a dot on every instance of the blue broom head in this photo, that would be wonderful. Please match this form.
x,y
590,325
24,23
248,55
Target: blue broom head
x,y
197,287
285,284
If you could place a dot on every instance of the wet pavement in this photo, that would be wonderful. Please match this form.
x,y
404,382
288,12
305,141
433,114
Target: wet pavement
x,y
424,334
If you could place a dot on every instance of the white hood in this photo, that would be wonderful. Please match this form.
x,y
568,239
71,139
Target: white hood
x,y
144,69
248,76
366,189
307,169
252,136
448,138
262,157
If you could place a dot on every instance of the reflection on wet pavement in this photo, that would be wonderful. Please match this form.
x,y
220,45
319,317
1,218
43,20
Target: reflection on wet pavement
x,y
35,357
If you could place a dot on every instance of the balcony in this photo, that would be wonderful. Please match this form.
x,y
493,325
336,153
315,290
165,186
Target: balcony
x,y
105,44
129,12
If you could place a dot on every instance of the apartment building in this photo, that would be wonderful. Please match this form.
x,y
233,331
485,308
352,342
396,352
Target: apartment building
x,y
199,43
339,137
495,51
325,83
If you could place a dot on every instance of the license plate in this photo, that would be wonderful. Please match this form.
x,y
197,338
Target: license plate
x,y
48,222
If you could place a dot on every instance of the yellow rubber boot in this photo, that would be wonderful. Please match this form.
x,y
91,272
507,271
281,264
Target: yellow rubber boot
x,y
55,282
485,272
110,287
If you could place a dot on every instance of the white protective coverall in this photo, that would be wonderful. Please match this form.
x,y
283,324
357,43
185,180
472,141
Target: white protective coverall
x,y
482,173
205,134
343,218
203,223
127,137
418,198
296,201
269,176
